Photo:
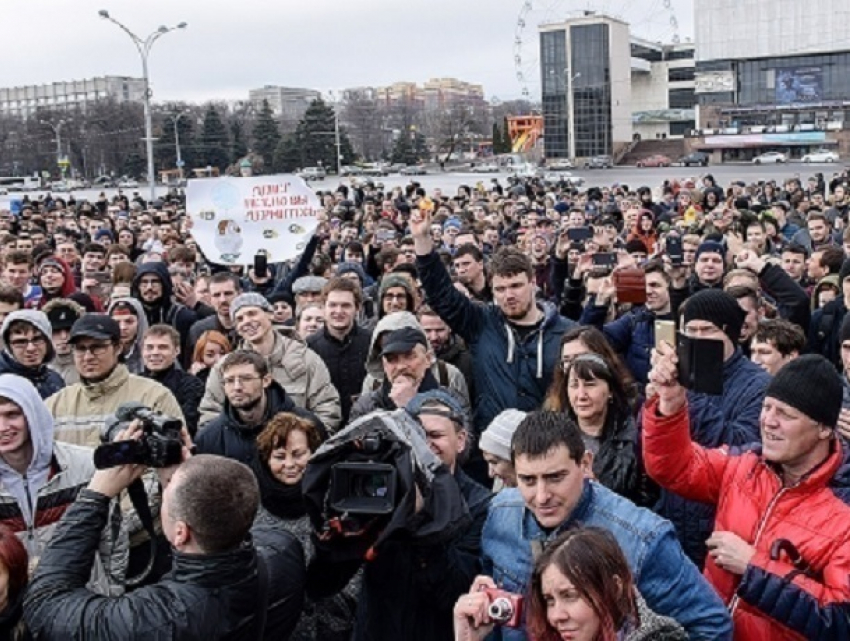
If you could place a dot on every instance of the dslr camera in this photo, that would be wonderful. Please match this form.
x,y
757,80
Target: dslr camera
x,y
505,607
161,445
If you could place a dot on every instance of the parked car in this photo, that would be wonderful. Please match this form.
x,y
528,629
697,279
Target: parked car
x,y
374,170
821,155
770,157
413,170
656,160
349,170
128,183
560,164
697,158
563,176
486,168
396,168
599,162
312,173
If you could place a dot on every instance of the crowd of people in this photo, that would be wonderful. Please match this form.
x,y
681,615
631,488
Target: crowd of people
x,y
574,482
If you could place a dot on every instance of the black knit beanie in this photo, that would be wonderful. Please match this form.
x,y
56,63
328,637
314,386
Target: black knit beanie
x,y
718,307
811,385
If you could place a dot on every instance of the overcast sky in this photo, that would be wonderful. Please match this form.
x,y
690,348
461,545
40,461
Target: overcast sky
x,y
230,47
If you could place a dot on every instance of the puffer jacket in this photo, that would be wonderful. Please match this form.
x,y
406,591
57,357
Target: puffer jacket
x,y
511,373
774,599
45,380
32,503
618,466
228,436
445,374
300,372
731,419
204,597
133,355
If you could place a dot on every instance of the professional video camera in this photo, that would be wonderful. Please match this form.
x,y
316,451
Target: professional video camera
x,y
361,487
161,445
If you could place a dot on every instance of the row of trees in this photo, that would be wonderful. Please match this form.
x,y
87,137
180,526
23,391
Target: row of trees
x,y
107,138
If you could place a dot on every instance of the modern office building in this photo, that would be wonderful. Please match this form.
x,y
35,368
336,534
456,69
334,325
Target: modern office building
x,y
603,88
289,104
75,94
772,75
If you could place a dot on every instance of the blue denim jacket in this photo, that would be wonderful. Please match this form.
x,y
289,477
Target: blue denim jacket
x,y
670,583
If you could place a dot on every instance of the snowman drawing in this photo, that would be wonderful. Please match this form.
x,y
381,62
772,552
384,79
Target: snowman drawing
x,y
228,240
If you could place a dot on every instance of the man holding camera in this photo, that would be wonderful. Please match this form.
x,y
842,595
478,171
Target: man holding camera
x,y
221,585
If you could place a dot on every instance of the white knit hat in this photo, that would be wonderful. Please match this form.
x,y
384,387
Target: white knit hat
x,y
496,439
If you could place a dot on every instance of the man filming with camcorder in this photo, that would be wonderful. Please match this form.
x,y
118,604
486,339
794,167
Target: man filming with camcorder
x,y
387,494
223,585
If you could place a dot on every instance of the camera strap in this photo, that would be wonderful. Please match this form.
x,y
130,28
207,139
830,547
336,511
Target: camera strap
x,y
262,597
139,499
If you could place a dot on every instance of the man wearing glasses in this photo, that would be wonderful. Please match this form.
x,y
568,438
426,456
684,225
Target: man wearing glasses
x,y
27,349
252,398
81,410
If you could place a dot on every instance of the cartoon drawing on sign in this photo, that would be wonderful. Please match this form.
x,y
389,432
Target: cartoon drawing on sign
x,y
270,234
228,240
296,229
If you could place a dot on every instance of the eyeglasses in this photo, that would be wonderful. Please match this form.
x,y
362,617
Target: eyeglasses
x,y
22,343
230,381
95,349
396,296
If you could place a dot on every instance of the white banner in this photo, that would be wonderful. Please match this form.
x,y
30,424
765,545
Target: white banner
x,y
234,219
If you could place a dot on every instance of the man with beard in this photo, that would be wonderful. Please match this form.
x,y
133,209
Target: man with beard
x,y
447,347
514,343
152,285
252,398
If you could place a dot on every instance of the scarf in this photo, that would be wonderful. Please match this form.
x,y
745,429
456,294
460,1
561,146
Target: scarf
x,y
284,501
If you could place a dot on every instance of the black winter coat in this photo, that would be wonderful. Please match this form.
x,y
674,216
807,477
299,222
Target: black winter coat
x,y
346,362
187,389
618,465
204,597
228,436
44,379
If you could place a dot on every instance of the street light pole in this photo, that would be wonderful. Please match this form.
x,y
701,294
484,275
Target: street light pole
x,y
336,134
175,120
57,131
143,46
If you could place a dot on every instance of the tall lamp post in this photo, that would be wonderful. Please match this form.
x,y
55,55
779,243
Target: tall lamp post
x,y
143,46
175,120
336,133
57,132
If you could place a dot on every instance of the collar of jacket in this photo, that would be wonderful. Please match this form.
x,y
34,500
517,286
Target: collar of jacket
x,y
36,373
119,377
215,570
161,375
532,530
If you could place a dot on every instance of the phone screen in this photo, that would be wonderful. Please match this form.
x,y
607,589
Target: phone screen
x,y
665,330
605,259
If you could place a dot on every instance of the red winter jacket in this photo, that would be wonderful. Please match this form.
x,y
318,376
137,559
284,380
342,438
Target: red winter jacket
x,y
773,600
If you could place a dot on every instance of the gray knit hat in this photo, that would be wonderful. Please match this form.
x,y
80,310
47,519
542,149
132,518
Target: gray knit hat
x,y
248,299
309,284
496,439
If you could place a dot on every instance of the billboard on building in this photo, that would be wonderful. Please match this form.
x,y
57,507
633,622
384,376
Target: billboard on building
x,y
714,82
799,84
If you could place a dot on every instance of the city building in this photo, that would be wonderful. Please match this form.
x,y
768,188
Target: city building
x,y
289,104
75,94
772,75
444,93
603,89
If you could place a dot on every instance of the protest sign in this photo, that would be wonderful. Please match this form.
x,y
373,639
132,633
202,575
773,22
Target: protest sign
x,y
234,219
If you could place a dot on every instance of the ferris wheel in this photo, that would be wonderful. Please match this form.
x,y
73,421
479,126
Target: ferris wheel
x,y
652,20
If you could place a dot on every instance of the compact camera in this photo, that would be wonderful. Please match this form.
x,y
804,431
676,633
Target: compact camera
x,y
505,607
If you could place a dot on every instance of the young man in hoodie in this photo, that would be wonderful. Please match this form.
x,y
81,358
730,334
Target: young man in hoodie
x,y
27,348
131,319
153,287
40,479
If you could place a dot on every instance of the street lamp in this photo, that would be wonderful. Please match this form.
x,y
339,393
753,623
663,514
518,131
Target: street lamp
x,y
143,46
57,131
176,119
336,134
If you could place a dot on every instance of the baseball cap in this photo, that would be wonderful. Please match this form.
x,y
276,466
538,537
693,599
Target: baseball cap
x,y
402,340
99,326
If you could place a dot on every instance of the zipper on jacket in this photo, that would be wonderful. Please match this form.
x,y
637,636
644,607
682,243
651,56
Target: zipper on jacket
x,y
733,604
31,521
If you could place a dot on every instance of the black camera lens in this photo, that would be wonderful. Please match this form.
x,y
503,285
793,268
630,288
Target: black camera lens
x,y
372,486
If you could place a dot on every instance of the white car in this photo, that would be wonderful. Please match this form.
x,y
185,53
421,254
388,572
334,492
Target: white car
x,y
128,184
558,176
821,155
486,168
560,164
770,157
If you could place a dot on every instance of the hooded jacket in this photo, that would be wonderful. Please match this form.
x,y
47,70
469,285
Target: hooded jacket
x,y
300,371
165,311
68,286
64,365
395,280
511,371
227,435
46,381
55,475
133,357
445,374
